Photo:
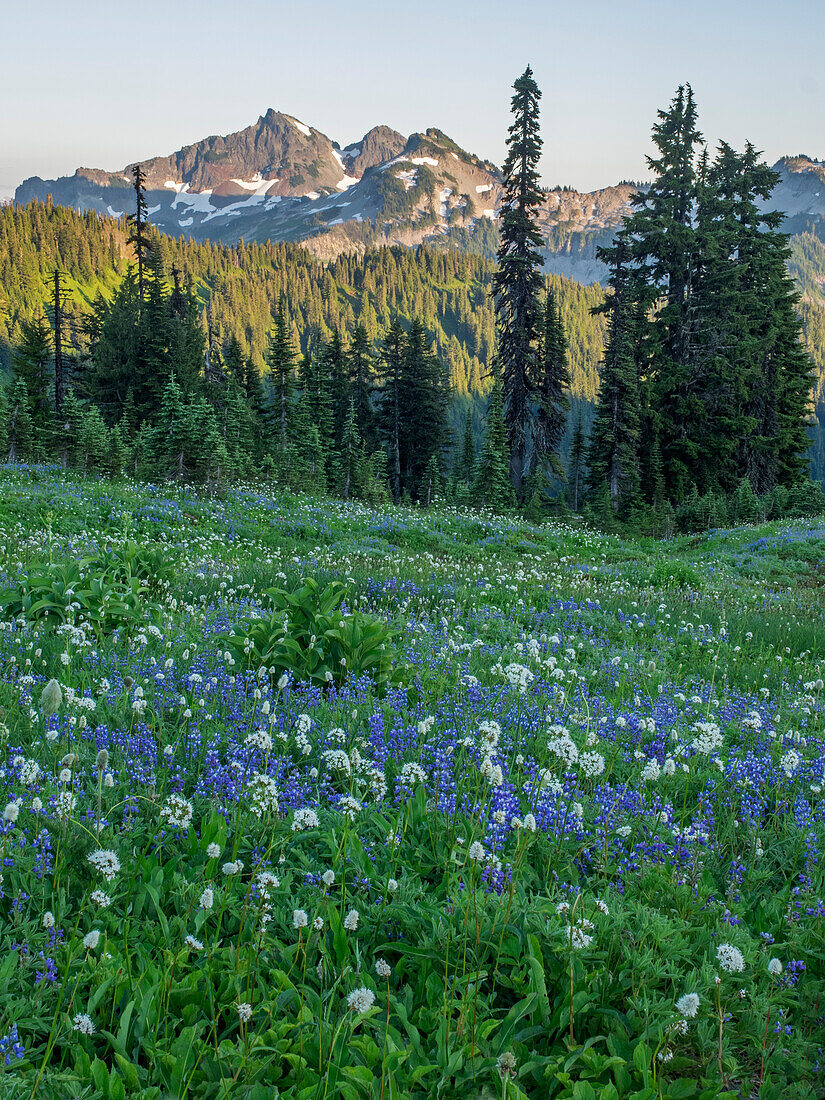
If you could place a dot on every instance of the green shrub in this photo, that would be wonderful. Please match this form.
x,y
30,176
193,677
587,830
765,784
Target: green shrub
x,y
674,574
308,636
107,591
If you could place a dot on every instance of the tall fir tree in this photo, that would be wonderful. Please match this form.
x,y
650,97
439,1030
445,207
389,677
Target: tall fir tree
x,y
423,400
391,399
576,464
280,358
361,385
32,363
553,388
493,488
517,279
138,236
466,461
20,431
661,236
613,455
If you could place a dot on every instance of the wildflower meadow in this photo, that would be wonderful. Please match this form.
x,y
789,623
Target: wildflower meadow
x,y
308,799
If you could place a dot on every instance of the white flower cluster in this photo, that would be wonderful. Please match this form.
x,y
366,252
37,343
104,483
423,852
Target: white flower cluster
x,y
592,764
688,1005
105,862
177,812
707,738
562,745
337,761
350,807
789,762
361,1000
412,774
260,740
351,920
263,794
730,958
305,818
490,735
518,676
303,725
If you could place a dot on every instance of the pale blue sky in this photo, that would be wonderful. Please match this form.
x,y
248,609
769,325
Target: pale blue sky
x,y
79,86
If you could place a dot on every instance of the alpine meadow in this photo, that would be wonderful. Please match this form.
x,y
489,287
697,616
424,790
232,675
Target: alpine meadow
x,y
412,621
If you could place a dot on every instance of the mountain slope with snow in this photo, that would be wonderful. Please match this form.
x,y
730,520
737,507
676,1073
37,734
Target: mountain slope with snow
x,y
283,180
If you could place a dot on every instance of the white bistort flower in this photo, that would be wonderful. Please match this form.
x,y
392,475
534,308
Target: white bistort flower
x,y
82,1022
351,920
688,1005
730,958
361,1000
774,968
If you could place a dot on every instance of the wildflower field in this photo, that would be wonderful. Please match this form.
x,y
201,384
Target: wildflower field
x,y
308,800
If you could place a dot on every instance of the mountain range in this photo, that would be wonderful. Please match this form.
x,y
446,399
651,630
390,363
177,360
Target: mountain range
x,y
283,180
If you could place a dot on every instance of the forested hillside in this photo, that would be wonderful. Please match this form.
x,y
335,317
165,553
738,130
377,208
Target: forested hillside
x,y
243,284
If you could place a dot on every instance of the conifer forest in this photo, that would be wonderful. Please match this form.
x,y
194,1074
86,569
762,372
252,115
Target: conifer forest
x,y
412,661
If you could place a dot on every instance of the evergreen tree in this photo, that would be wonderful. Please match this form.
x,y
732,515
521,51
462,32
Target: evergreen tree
x,y
234,362
661,238
351,456
466,465
93,440
32,364
20,430
552,391
335,369
137,222
361,386
423,399
575,469
613,455
493,488
280,358
317,402
391,400
430,482
68,429
4,423
517,280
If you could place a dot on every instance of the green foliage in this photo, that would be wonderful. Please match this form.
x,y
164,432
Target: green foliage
x,y
308,636
83,593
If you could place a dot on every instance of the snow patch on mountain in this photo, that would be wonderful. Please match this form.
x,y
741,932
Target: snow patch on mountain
x,y
300,126
347,181
198,202
257,184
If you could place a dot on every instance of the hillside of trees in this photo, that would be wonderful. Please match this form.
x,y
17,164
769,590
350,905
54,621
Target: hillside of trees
x,y
242,285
